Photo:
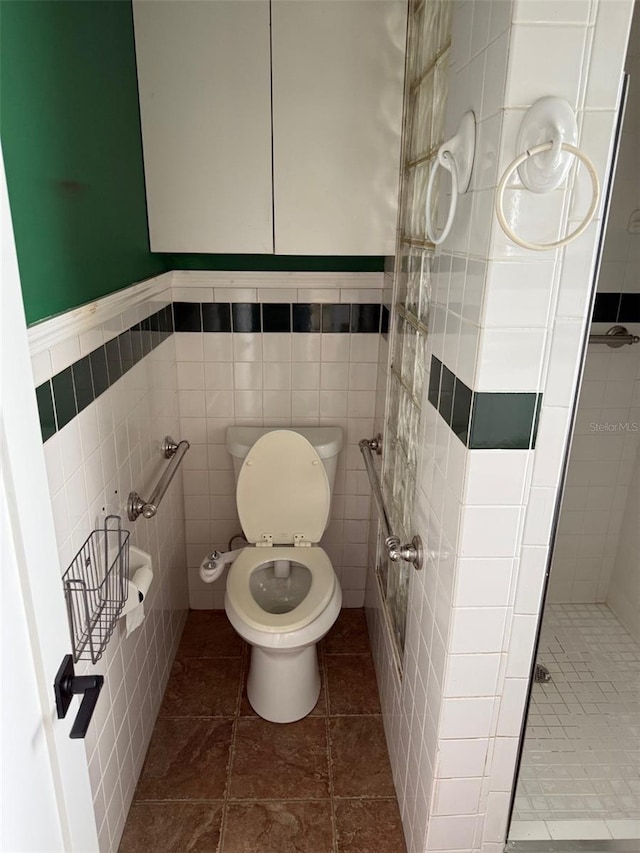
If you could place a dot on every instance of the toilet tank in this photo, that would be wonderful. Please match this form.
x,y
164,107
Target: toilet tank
x,y
326,440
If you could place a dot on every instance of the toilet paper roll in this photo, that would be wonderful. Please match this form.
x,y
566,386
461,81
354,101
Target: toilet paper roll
x,y
133,608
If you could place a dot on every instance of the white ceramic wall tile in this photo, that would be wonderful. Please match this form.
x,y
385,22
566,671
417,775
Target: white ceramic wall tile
x,y
64,354
490,532
96,450
236,294
529,79
277,347
510,359
496,477
218,347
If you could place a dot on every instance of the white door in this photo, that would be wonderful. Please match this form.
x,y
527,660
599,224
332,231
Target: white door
x,y
46,802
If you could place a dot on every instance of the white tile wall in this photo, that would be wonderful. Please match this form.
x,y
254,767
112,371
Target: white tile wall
x,y
111,448
624,593
487,544
275,379
604,447
607,435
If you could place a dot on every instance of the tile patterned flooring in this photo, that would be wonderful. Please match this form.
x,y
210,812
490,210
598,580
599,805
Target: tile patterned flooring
x,y
580,774
219,778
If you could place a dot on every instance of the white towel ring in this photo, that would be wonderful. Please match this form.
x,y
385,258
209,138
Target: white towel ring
x,y
531,152
447,161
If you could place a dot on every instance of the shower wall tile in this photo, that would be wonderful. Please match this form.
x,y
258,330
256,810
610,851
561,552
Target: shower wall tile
x,y
605,443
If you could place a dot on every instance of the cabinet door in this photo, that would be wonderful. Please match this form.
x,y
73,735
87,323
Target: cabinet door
x,y
204,79
338,69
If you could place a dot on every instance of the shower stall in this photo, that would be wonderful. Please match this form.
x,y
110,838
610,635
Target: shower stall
x,y
579,779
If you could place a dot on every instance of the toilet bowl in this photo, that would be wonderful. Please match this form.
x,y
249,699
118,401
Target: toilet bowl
x,y
282,594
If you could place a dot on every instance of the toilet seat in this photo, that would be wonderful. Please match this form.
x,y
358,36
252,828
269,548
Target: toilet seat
x,y
323,580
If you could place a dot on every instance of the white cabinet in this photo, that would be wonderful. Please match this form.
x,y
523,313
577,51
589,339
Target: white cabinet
x,y
338,70
271,127
205,105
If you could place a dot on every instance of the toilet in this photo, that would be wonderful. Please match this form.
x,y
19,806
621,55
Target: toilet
x,y
282,594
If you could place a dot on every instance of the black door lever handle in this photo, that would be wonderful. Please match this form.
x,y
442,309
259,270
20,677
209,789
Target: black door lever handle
x,y
67,685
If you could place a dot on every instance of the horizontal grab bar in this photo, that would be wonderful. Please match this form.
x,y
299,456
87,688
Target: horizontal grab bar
x,y
137,506
412,553
615,337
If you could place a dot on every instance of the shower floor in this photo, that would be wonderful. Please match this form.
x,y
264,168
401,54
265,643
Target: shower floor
x,y
580,771
219,779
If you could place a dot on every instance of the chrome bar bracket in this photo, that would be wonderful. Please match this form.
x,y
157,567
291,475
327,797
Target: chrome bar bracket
x,y
374,444
169,447
410,553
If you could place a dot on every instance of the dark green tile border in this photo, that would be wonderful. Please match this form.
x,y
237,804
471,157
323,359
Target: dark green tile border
x,y
484,420
616,308
69,392
503,420
297,317
46,412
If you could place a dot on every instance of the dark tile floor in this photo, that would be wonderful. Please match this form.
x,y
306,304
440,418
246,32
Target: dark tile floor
x,y
219,778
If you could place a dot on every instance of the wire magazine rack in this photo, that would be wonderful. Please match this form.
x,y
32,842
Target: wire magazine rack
x,y
95,588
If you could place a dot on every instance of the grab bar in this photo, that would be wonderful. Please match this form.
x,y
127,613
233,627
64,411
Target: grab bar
x,y
137,506
615,337
412,553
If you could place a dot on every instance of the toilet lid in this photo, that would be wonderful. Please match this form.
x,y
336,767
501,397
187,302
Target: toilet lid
x,y
283,491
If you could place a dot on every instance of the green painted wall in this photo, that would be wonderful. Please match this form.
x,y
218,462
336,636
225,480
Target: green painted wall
x,y
70,129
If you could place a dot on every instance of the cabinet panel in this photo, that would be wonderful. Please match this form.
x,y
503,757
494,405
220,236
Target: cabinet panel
x,y
204,78
338,68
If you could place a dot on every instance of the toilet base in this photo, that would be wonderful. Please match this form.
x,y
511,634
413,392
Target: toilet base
x,y
283,686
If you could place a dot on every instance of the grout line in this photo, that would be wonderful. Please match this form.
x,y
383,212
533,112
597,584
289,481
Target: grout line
x,y
327,719
244,667
242,662
234,801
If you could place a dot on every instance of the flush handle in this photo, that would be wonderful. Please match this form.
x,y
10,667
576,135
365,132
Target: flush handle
x,y
67,685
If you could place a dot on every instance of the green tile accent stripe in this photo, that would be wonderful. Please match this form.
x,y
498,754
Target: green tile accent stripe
x,y
46,411
484,420
275,263
69,392
616,308
61,398
267,317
